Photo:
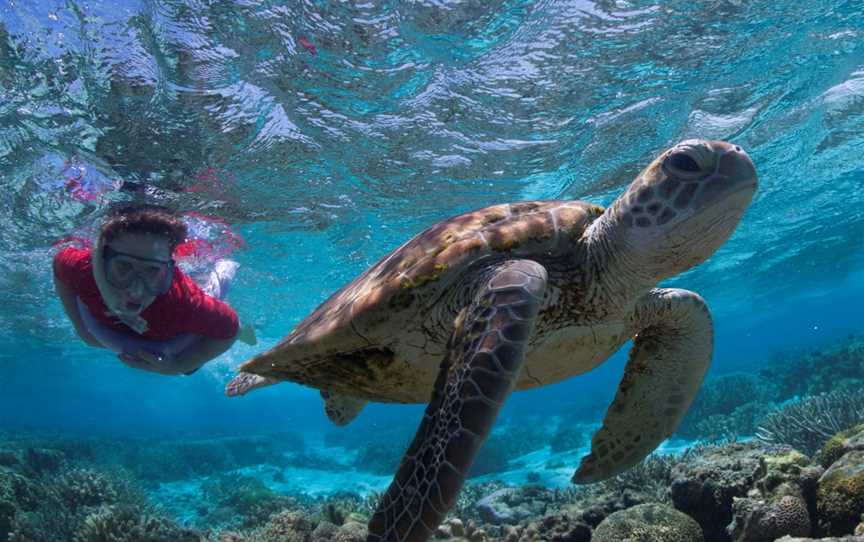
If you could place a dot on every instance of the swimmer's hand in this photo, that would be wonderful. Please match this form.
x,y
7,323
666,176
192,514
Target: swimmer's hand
x,y
132,321
148,361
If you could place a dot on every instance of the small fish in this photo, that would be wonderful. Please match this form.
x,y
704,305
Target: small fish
x,y
307,45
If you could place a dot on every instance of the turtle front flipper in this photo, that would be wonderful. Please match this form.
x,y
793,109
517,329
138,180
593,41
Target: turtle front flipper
x,y
483,361
245,382
670,356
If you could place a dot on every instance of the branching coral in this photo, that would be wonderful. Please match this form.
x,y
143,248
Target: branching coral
x,y
125,524
652,477
472,492
810,422
85,505
86,487
285,527
17,495
725,406
342,507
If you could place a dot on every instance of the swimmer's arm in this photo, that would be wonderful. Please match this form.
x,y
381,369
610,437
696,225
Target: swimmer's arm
x,y
206,316
71,307
199,353
186,362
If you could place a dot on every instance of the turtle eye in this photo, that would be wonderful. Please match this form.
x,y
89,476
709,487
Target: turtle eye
x,y
682,165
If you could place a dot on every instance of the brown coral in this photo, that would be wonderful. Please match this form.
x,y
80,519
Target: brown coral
x,y
757,521
287,526
839,444
840,497
648,523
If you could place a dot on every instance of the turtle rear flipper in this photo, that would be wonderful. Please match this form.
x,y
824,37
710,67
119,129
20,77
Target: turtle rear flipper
x,y
341,408
484,358
670,356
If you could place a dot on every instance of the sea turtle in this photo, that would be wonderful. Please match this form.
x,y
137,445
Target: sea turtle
x,y
516,296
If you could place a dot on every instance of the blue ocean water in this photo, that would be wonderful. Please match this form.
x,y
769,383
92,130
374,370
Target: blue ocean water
x,y
327,133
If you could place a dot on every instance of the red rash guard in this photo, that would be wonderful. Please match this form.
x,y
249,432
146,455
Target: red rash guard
x,y
185,308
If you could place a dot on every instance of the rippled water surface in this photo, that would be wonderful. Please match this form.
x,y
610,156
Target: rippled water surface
x,y
327,133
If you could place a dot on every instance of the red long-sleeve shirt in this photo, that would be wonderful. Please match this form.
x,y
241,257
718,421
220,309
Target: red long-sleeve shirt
x,y
184,308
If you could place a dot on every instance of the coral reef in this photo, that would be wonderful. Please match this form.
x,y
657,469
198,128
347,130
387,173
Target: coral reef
x,y
809,423
165,461
648,523
288,526
727,406
17,495
45,496
832,367
86,487
757,521
341,508
733,405
455,530
126,524
510,505
705,487
43,460
741,492
840,497
840,444
352,531
777,503
563,526
803,476
238,501
151,460
829,539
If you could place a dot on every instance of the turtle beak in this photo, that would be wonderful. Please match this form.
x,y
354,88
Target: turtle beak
x,y
736,166
733,181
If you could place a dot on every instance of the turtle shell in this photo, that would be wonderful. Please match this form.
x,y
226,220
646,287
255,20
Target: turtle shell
x,y
387,302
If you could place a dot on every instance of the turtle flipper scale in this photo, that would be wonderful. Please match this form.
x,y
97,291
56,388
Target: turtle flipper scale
x,y
483,360
245,382
341,409
671,354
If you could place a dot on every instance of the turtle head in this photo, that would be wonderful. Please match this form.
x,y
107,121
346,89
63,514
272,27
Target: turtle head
x,y
684,205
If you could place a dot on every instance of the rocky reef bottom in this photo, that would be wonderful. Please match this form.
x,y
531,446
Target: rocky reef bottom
x,y
780,457
735,491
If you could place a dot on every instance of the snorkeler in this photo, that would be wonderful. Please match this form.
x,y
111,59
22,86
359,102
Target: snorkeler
x,y
127,294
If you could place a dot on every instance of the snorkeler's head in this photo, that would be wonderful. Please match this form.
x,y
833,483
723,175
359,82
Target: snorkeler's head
x,y
144,219
133,261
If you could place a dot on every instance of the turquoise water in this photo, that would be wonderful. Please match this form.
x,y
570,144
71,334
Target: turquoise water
x,y
327,134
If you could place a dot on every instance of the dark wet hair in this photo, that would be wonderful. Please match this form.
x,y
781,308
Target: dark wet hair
x,y
144,219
